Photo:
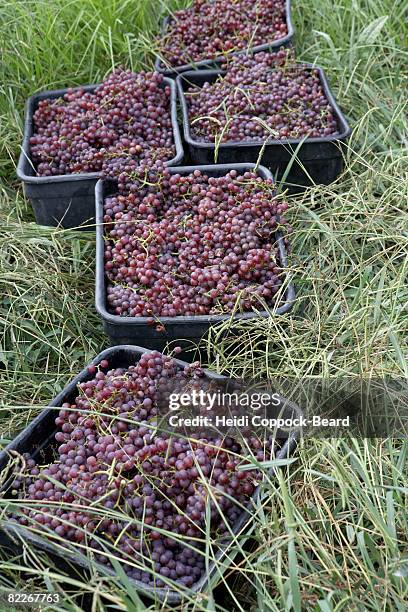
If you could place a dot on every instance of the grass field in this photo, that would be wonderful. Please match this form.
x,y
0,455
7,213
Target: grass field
x,y
332,532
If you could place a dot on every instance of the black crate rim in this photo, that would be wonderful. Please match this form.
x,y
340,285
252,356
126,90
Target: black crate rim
x,y
100,282
168,70
340,117
25,162
163,594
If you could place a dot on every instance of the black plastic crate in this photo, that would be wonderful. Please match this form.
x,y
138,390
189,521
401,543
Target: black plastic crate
x,y
38,437
68,200
318,160
172,71
185,329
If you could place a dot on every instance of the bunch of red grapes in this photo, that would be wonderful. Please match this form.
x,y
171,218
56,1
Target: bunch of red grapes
x,y
127,117
212,28
260,100
115,481
192,245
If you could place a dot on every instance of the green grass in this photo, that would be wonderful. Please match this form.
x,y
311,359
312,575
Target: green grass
x,y
331,533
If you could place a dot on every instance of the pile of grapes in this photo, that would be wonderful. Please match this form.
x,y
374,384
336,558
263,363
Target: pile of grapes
x,y
212,28
258,100
128,116
191,245
115,482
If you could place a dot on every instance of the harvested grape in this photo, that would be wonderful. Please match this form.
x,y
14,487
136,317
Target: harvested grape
x,y
192,245
212,28
128,116
258,100
116,483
